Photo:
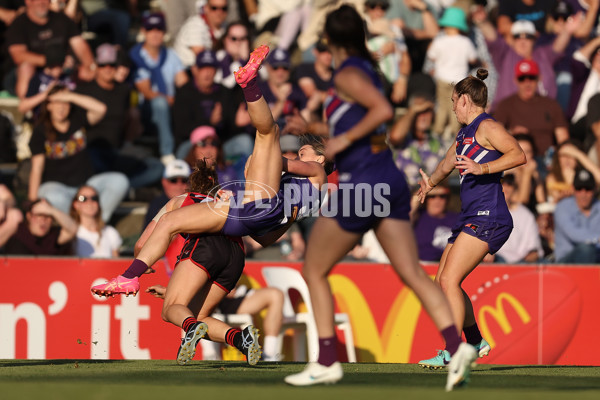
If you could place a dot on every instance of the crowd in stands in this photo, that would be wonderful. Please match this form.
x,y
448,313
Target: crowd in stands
x,y
117,99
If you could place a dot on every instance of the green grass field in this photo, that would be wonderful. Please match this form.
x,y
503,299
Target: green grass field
x,y
87,379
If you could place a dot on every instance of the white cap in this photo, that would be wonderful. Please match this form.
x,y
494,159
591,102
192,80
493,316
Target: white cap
x,y
177,168
522,27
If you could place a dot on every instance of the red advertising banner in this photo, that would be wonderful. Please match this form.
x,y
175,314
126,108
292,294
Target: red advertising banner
x,y
530,314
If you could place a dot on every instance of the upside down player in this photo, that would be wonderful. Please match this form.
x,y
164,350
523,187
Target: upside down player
x,y
208,268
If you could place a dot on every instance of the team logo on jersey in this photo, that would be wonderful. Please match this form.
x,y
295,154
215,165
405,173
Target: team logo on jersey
x,y
467,141
486,212
473,227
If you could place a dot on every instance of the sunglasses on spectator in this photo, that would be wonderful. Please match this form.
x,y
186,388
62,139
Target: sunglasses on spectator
x,y
524,36
238,38
178,180
587,189
373,5
107,65
215,8
205,143
523,78
82,199
283,67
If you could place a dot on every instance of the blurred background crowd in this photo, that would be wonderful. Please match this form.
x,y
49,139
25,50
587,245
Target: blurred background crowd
x,y
105,106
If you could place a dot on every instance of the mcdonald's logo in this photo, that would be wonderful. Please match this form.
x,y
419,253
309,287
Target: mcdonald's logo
x,y
499,315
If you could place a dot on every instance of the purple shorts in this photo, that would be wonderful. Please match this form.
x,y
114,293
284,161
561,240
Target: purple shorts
x,y
255,217
494,234
365,197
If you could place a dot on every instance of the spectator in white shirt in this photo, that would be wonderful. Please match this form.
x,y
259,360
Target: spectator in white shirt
x,y
524,243
94,239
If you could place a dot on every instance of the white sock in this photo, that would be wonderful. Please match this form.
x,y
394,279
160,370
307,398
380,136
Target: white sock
x,y
271,348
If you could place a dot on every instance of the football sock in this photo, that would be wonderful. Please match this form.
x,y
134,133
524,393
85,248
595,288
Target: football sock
x,y
136,269
327,350
452,339
189,321
233,337
252,91
472,334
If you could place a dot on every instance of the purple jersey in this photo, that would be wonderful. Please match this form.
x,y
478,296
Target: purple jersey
x,y
373,187
296,199
481,195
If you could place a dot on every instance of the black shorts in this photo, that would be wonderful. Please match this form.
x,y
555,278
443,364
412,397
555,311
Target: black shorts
x,y
222,258
230,306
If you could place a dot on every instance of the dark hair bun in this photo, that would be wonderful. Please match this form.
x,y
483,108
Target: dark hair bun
x,y
482,73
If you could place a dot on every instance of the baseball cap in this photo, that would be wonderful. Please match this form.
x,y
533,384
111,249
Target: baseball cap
x,y
201,133
289,143
177,168
526,67
562,9
154,21
584,180
206,58
523,27
279,58
106,54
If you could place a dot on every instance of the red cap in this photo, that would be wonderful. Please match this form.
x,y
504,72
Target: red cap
x,y
526,67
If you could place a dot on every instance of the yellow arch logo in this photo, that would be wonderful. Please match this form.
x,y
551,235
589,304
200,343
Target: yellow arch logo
x,y
499,314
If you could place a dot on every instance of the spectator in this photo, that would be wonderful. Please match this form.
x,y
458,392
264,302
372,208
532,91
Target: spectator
x,y
39,236
201,31
232,52
32,31
10,216
524,243
316,78
281,94
433,224
200,101
419,24
577,227
592,121
451,53
45,78
506,55
60,162
528,111
94,238
565,163
176,13
387,42
102,16
207,146
585,66
106,139
174,183
158,71
242,300
411,138
529,188
535,11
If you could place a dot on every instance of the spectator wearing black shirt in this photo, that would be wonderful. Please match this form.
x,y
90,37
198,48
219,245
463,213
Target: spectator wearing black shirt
x,y
200,102
316,78
60,162
107,138
34,30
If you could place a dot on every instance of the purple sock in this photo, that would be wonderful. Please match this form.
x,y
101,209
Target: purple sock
x,y
252,91
472,334
327,351
452,339
137,268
